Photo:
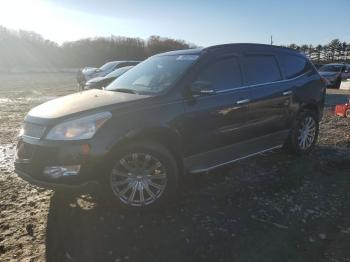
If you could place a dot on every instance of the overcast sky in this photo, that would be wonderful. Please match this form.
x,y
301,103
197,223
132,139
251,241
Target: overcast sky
x,y
202,22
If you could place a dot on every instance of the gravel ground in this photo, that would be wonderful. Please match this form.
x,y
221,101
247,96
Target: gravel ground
x,y
273,207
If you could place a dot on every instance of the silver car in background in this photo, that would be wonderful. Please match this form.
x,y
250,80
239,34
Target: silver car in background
x,y
88,73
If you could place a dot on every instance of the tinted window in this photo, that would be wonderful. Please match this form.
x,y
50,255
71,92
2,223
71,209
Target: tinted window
x,y
261,69
108,66
223,74
293,66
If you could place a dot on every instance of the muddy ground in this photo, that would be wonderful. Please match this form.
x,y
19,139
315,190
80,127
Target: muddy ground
x,y
274,207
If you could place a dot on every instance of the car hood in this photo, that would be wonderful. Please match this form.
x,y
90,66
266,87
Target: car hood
x,y
328,74
80,102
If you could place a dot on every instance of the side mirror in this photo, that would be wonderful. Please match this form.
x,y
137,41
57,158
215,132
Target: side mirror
x,y
202,88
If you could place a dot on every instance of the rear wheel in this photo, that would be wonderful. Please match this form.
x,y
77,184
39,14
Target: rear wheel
x,y
304,133
143,175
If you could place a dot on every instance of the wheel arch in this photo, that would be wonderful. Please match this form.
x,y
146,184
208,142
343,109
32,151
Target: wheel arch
x,y
311,106
165,136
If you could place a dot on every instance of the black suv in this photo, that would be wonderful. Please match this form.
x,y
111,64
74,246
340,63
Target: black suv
x,y
176,113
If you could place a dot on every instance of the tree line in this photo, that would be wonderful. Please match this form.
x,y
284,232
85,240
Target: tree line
x,y
334,51
24,50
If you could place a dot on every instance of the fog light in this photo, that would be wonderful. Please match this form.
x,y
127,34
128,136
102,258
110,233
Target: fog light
x,y
61,171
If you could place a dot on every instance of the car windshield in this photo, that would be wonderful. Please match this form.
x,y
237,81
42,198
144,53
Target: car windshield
x,y
154,75
330,68
108,66
118,72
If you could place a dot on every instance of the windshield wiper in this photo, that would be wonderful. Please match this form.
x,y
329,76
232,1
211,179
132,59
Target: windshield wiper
x,y
125,90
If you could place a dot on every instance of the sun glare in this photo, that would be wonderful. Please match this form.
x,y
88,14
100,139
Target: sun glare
x,y
52,22
23,14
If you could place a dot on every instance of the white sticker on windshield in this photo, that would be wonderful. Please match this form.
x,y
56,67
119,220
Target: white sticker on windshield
x,y
187,57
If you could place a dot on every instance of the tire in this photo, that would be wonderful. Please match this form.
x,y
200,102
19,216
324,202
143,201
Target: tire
x,y
302,143
148,167
347,113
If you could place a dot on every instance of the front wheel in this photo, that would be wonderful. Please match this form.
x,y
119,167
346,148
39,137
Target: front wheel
x,y
142,175
304,133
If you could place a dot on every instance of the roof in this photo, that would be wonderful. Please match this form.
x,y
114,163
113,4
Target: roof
x,y
192,51
198,51
336,64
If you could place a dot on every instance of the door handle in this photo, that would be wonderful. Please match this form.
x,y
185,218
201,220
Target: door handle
x,y
286,93
244,101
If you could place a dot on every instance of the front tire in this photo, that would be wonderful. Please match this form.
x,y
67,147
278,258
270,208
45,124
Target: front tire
x,y
304,133
143,175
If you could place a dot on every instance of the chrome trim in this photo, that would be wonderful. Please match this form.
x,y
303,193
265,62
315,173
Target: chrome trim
x,y
203,170
257,85
286,93
244,101
31,137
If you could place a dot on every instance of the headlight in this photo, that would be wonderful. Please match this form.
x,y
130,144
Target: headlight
x,y
80,128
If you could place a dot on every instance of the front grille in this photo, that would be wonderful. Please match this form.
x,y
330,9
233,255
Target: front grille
x,y
33,130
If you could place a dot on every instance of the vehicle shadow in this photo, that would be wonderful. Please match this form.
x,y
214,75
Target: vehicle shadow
x,y
239,213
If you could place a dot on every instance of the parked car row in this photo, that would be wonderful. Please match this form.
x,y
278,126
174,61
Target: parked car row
x,y
103,81
89,73
181,112
334,74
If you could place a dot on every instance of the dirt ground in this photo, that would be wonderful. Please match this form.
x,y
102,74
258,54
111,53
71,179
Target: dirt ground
x,y
274,207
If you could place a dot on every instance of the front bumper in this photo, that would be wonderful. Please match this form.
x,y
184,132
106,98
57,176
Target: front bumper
x,y
34,156
55,185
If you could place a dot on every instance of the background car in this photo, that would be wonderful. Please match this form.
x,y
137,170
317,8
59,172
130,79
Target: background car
x,y
90,72
335,73
103,81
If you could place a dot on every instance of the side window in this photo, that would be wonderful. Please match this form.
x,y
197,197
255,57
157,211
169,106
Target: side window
x,y
223,74
293,65
260,69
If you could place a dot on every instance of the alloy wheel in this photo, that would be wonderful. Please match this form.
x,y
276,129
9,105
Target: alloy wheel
x,y
307,133
138,179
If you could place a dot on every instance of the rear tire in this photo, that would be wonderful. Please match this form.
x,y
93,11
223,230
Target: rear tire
x,y
304,133
142,176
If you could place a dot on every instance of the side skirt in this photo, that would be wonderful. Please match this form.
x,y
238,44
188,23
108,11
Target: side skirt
x,y
207,161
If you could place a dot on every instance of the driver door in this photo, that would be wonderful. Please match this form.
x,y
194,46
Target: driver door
x,y
218,119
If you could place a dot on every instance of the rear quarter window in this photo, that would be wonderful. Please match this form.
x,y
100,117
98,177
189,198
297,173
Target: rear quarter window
x,y
261,69
293,65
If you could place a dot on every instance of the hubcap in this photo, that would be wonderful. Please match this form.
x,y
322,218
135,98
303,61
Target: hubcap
x,y
138,179
307,133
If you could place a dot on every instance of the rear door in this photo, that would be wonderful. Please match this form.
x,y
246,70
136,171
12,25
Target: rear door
x,y
271,96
